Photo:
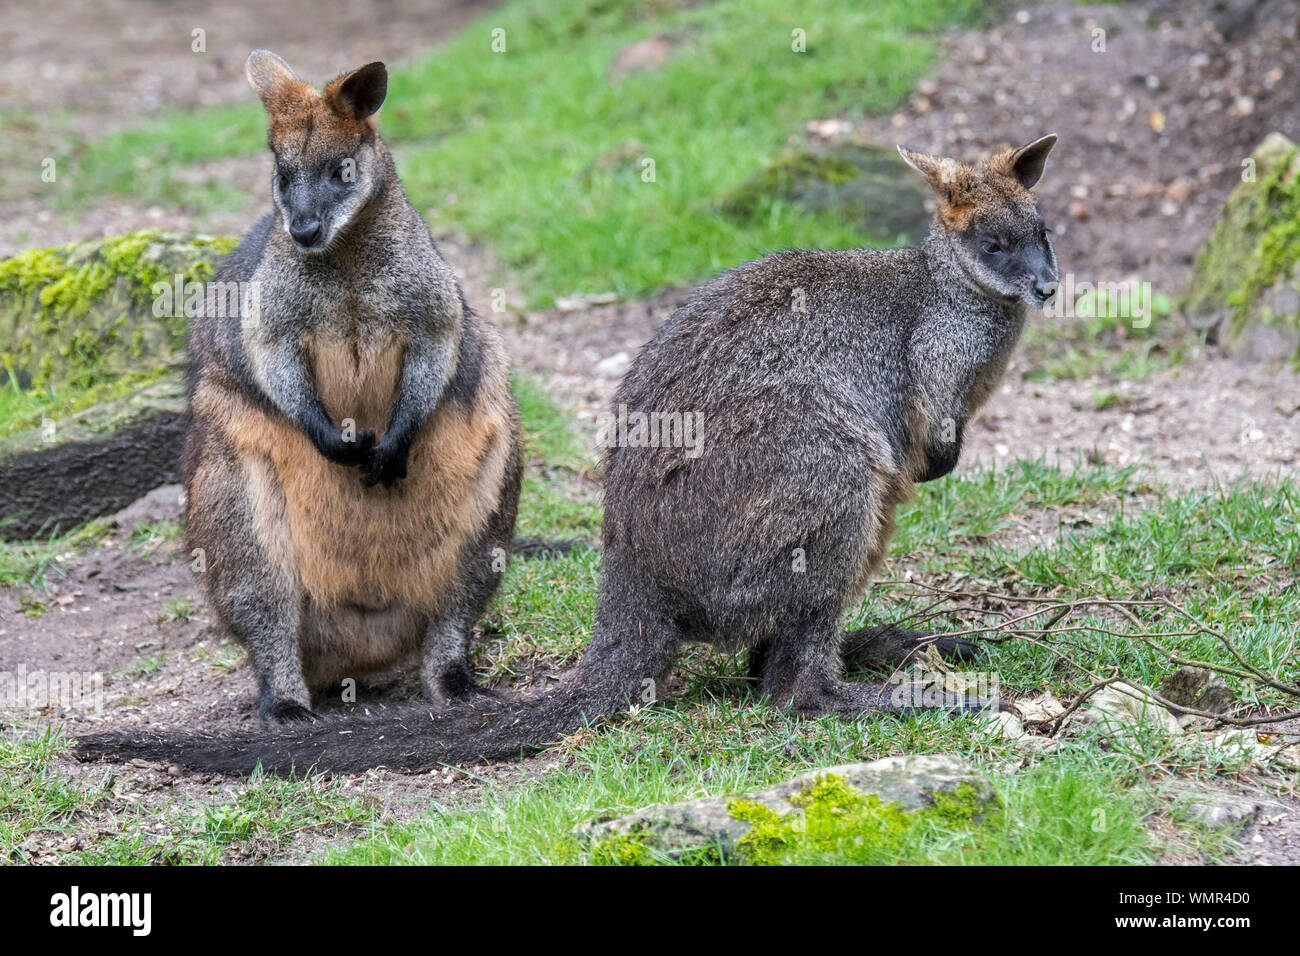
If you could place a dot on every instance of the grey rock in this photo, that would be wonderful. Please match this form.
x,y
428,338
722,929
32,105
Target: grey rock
x,y
1198,689
910,781
865,184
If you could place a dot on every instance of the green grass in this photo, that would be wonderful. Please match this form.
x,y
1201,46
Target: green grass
x,y
538,152
32,562
252,822
1229,556
725,746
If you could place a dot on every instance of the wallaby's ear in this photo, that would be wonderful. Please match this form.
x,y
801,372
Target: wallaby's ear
x,y
359,94
943,175
267,73
1025,165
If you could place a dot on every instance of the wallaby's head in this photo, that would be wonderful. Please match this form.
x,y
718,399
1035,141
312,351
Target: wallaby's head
x,y
327,165
992,222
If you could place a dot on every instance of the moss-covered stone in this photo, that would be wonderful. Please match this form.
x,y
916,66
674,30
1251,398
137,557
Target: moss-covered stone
x,y
1245,285
82,315
854,811
865,184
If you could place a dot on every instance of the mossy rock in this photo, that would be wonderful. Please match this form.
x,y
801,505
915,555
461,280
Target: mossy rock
x,y
83,314
813,812
1245,285
862,183
54,477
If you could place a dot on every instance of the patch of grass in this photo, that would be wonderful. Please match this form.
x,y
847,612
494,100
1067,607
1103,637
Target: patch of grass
x,y
1228,556
253,822
33,795
1104,338
227,656
545,609
156,536
179,609
548,429
552,505
31,562
538,151
149,665
731,746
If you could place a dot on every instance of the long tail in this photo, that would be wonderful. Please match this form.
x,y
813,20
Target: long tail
x,y
626,659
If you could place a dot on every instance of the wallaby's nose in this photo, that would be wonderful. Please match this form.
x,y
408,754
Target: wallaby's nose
x,y
305,233
1045,286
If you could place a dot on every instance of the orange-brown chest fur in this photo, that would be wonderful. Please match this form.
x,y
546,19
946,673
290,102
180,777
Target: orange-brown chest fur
x,y
357,376
346,544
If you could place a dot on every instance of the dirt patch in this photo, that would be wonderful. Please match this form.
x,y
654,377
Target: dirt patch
x,y
112,611
74,72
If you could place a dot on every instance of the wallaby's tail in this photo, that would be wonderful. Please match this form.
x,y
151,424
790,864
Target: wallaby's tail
x,y
546,547
627,660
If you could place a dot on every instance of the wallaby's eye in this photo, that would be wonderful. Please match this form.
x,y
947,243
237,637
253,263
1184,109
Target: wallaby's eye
x,y
1046,232
282,182
345,172
990,248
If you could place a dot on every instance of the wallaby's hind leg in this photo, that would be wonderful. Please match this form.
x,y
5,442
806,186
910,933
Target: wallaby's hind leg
x,y
801,669
445,671
881,648
255,598
885,646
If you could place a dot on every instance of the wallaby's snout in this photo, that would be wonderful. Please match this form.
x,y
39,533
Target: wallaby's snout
x,y
992,223
325,144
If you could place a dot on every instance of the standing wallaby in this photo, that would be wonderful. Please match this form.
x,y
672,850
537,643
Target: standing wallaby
x,y
828,383
353,461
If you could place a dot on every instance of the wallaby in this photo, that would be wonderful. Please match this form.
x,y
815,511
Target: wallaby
x,y
353,459
829,383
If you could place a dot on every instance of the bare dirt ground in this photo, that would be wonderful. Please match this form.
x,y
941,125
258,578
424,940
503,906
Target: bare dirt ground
x,y
1131,201
76,70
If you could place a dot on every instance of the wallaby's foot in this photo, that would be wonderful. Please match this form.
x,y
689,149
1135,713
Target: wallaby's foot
x,y
288,712
855,699
452,686
883,647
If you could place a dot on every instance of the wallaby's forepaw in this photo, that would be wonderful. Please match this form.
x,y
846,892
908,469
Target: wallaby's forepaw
x,y
350,453
386,463
288,712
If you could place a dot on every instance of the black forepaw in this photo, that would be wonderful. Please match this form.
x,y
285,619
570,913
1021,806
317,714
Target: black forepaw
x,y
386,464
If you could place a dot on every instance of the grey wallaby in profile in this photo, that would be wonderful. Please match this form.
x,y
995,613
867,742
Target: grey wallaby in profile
x,y
829,384
353,460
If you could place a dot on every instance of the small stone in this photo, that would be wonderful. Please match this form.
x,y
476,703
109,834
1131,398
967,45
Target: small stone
x,y
1198,689
614,366
1218,811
